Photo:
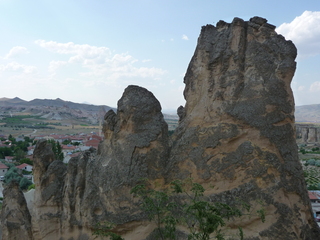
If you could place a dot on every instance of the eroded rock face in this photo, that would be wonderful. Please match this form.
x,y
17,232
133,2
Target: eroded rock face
x,y
236,133
308,133
15,216
49,179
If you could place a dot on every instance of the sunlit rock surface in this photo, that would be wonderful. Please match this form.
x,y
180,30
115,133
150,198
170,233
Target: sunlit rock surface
x,y
236,137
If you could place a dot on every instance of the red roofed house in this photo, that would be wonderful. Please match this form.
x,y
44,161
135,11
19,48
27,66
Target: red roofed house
x,y
68,149
25,167
9,158
93,143
313,196
95,137
3,169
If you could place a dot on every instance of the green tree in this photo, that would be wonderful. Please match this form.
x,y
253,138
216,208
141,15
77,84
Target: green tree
x,y
26,160
24,183
158,208
303,151
11,174
186,204
19,154
66,142
28,139
5,151
12,139
57,149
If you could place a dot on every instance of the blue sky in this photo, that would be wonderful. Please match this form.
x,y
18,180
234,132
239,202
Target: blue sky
x,y
90,50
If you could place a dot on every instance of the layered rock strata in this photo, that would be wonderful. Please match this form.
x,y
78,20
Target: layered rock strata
x,y
236,133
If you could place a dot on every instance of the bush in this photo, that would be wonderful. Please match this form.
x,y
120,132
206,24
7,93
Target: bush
x,y
11,174
313,187
311,162
24,183
202,218
32,186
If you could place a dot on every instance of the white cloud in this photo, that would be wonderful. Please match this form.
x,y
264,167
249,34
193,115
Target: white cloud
x,y
16,51
17,67
315,87
185,37
304,31
84,51
301,88
54,65
99,63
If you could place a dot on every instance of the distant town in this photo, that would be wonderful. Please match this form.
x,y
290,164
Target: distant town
x,y
71,145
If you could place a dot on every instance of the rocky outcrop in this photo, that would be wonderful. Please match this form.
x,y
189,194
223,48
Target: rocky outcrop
x,y
15,216
49,179
236,133
308,133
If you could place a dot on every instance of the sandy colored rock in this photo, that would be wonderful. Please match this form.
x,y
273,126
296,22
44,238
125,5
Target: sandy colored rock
x,y
236,132
15,216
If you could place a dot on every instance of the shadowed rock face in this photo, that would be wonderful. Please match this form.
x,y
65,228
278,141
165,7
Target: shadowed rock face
x,y
236,133
15,216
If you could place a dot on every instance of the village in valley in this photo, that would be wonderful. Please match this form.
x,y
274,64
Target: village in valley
x,y
16,153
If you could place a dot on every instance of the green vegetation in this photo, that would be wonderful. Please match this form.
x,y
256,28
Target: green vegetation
x,y
66,142
17,149
183,203
26,160
312,177
57,149
18,120
105,230
13,174
5,151
32,186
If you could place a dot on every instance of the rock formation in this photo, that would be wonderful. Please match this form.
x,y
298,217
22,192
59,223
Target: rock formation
x,y
15,216
236,133
308,133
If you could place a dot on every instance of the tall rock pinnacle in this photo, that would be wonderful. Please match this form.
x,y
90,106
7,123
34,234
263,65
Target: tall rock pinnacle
x,y
236,137
238,131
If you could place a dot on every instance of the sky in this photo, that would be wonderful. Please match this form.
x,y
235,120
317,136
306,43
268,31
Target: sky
x,y
89,51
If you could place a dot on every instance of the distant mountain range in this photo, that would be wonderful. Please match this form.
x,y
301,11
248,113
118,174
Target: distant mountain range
x,y
308,113
57,109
